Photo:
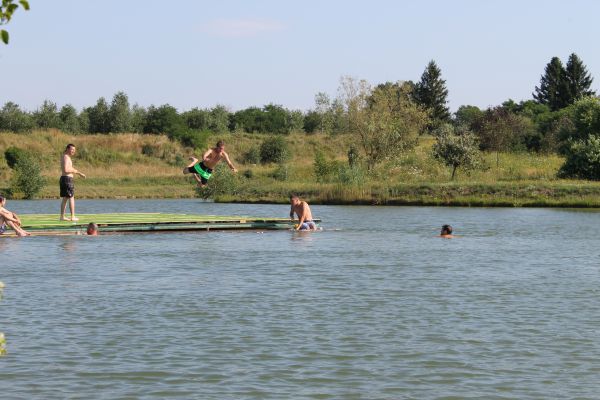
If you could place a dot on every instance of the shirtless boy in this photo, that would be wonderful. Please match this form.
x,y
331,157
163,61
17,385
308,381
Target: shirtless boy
x,y
11,219
202,171
302,210
67,188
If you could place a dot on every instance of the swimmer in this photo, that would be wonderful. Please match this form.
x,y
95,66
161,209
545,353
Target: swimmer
x,y
446,232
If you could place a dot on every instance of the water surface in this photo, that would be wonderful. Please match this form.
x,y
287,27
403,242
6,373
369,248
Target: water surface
x,y
373,307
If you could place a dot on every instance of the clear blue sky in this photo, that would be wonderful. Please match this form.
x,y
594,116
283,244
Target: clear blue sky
x,y
249,53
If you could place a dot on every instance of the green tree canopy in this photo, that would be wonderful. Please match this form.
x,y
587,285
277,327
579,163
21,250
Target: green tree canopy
x,y
456,150
553,89
431,93
386,123
119,114
578,80
7,9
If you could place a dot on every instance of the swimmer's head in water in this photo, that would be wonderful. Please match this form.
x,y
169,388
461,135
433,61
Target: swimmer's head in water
x,y
446,230
92,229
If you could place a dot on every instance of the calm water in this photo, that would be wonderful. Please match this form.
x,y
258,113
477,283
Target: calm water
x,y
374,307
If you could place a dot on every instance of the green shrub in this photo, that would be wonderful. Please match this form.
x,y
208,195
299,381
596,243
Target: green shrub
x,y
150,150
582,160
222,182
249,174
14,154
282,172
274,150
351,175
191,138
27,178
252,156
322,168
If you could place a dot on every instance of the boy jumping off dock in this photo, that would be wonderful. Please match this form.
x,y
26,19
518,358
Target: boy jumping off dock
x,y
202,171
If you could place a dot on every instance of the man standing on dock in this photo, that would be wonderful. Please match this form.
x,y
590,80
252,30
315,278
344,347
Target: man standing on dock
x,y
67,188
203,170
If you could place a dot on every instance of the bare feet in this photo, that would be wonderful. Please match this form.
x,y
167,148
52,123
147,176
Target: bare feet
x,y
63,218
74,219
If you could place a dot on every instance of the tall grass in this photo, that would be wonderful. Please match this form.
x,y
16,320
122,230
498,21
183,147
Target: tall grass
x,y
149,166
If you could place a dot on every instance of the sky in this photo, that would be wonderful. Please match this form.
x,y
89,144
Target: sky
x,y
237,53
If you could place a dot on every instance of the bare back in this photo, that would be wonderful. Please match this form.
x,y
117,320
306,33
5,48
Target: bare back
x,y
302,210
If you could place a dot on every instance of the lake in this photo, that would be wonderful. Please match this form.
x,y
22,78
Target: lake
x,y
373,307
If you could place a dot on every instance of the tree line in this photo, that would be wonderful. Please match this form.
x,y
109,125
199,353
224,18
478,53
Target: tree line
x,y
562,116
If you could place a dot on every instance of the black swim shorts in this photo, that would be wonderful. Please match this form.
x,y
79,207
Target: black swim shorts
x,y
67,188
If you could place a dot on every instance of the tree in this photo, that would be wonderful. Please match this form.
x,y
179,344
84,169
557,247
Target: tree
x,y
585,118
431,93
467,115
583,159
196,119
138,117
14,120
219,119
553,90
276,119
323,109
385,123
69,120
456,150
163,119
46,116
99,117
312,121
501,130
119,114
578,80
7,9
27,178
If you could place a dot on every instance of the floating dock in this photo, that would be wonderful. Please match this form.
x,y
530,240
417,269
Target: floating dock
x,y
49,224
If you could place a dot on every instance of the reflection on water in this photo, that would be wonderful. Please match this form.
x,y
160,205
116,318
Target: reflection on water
x,y
374,306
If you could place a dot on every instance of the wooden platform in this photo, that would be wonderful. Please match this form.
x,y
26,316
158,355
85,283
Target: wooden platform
x,y
49,224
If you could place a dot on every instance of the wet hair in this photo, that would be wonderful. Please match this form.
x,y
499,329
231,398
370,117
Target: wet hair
x,y
446,230
293,196
69,146
220,143
92,228
1,199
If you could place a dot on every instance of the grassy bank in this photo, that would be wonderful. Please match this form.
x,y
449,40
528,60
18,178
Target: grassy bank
x,y
149,166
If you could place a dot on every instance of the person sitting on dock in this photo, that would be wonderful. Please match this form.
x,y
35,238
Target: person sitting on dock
x,y
203,170
446,232
8,218
302,210
92,229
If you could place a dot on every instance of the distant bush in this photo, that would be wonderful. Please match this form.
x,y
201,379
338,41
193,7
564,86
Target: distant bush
x,y
322,168
348,175
191,138
282,172
223,182
27,178
582,160
252,156
14,154
248,174
274,150
150,150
